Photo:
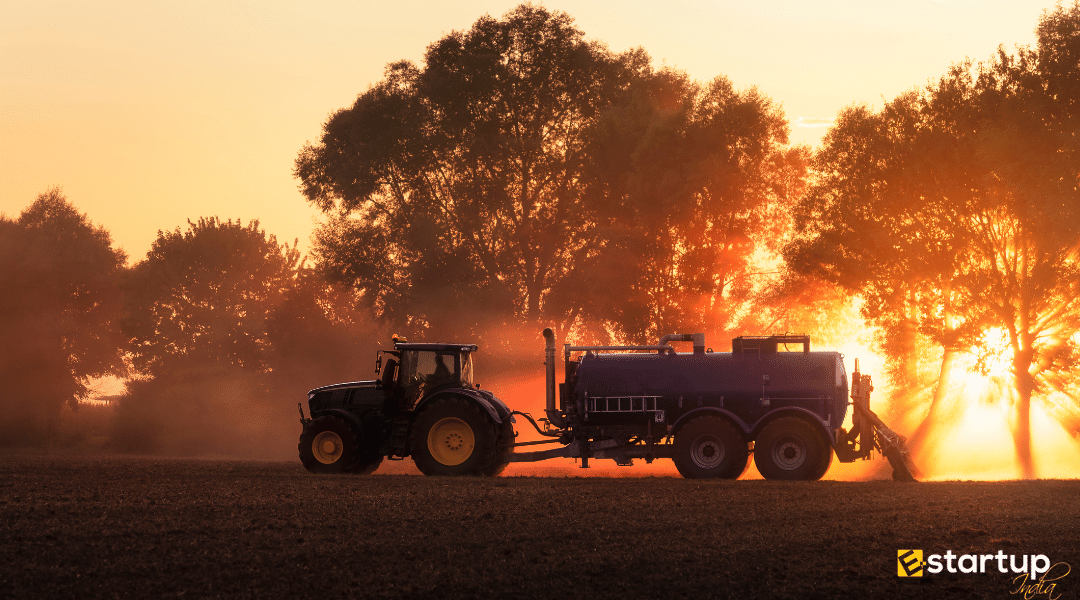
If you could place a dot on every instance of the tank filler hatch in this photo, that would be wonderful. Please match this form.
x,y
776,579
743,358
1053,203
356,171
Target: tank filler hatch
x,y
771,344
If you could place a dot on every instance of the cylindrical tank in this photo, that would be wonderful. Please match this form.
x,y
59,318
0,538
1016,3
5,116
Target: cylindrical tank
x,y
719,379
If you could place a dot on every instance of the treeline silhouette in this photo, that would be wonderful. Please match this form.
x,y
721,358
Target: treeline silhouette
x,y
218,331
523,176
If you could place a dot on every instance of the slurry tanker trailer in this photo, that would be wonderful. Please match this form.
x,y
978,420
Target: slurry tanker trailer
x,y
770,400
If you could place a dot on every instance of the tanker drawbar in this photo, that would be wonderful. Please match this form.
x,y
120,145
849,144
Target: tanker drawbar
x,y
770,400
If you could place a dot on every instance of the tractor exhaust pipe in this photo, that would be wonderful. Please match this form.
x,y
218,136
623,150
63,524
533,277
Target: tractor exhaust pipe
x,y
549,362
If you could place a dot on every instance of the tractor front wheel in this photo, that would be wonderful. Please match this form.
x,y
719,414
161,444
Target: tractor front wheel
x,y
451,436
328,445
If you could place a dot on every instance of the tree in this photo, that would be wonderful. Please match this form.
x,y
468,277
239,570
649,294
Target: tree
x,y
457,186
197,314
205,295
964,216
59,314
228,330
524,174
1025,240
868,223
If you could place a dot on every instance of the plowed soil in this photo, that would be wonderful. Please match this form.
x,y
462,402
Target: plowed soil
x,y
122,527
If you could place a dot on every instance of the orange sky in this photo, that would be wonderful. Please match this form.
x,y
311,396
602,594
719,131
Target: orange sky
x,y
152,113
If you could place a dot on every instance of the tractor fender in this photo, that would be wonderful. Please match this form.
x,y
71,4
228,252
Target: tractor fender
x,y
709,410
494,407
794,411
350,418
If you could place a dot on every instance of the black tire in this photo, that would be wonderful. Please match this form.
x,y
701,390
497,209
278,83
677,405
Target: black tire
x,y
368,456
328,445
710,447
452,436
823,466
504,448
791,449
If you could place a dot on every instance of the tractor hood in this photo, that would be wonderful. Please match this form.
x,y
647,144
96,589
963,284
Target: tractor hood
x,y
342,386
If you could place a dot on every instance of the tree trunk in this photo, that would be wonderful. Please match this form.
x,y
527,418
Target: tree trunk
x,y
1025,384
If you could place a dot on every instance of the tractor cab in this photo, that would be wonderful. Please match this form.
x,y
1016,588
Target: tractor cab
x,y
415,371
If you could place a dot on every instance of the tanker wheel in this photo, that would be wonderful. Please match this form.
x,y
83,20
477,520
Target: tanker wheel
x,y
710,447
791,449
823,466
328,445
451,436
503,451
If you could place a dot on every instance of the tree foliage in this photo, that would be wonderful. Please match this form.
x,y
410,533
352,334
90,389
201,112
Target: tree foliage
x,y
59,314
692,184
206,295
523,173
955,210
457,185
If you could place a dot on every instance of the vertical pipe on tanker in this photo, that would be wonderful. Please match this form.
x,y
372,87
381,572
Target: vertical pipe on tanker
x,y
697,338
549,364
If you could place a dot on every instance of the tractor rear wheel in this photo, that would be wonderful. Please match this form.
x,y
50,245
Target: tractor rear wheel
x,y
710,447
503,450
791,449
328,445
451,436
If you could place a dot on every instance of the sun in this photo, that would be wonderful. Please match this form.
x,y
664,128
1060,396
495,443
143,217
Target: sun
x,y
973,435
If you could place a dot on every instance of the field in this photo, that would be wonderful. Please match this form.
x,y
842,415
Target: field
x,y
123,527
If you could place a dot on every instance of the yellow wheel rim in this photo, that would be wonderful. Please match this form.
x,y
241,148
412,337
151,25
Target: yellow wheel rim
x,y
327,447
450,441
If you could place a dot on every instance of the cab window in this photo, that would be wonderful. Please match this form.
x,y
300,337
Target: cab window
x,y
434,367
466,370
424,370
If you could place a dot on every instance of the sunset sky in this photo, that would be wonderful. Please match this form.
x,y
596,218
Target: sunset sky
x,y
148,114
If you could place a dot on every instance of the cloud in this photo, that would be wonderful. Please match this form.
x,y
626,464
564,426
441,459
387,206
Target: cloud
x,y
813,122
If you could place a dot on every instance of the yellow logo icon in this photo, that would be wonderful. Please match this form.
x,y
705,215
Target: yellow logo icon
x,y
909,563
